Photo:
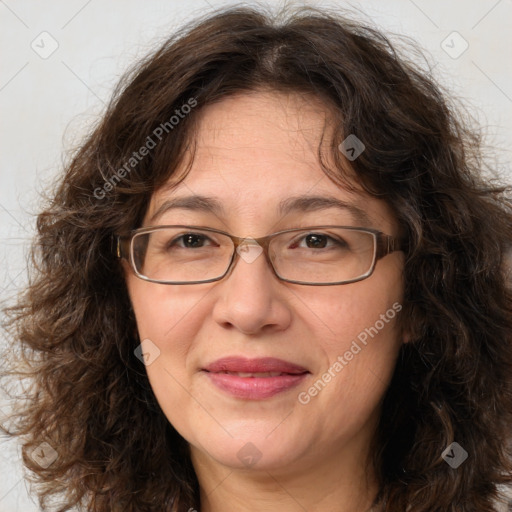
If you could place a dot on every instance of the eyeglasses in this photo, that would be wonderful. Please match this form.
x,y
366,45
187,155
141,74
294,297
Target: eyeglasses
x,y
318,255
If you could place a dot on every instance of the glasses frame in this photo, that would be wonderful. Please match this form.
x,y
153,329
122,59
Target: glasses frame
x,y
383,245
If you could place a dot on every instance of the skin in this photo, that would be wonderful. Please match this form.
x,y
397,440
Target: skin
x,y
254,150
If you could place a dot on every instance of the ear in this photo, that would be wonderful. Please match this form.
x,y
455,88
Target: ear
x,y
406,332
406,336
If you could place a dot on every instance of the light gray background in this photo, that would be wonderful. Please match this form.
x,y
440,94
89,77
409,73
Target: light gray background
x,y
47,103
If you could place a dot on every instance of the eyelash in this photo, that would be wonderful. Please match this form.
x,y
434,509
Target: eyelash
x,y
295,242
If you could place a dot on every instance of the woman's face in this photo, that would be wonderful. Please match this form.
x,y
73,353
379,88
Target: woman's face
x,y
255,151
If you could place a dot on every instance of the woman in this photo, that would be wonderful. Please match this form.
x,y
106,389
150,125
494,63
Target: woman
x,y
272,276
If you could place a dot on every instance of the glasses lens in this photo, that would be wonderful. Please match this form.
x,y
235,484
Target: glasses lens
x,y
314,255
323,256
181,254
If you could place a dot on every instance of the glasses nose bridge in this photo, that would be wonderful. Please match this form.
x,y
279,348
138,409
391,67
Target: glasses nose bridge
x,y
263,242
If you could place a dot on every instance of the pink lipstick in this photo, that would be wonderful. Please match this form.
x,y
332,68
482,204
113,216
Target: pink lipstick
x,y
254,379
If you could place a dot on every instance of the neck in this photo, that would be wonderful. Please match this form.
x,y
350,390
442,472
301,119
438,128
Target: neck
x,y
340,483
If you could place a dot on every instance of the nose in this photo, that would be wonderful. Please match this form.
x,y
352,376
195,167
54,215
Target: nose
x,y
251,298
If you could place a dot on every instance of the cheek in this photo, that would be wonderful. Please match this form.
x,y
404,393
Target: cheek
x,y
363,358
168,322
359,336
365,310
164,313
170,319
345,394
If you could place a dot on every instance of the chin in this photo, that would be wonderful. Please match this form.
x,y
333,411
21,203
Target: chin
x,y
252,451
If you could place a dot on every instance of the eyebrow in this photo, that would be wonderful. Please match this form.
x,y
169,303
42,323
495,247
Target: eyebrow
x,y
193,203
303,203
317,203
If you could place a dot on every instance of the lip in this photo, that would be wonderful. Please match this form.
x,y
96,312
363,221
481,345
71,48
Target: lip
x,y
222,374
257,365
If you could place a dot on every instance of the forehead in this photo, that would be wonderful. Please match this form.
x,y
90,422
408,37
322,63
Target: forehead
x,y
255,151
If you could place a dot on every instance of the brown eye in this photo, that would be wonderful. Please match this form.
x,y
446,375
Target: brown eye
x,y
319,241
190,240
316,241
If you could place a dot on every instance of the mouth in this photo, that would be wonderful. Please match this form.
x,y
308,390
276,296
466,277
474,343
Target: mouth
x,y
257,374
254,379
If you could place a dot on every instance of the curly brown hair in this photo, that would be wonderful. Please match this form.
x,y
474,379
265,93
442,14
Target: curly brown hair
x,y
75,331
